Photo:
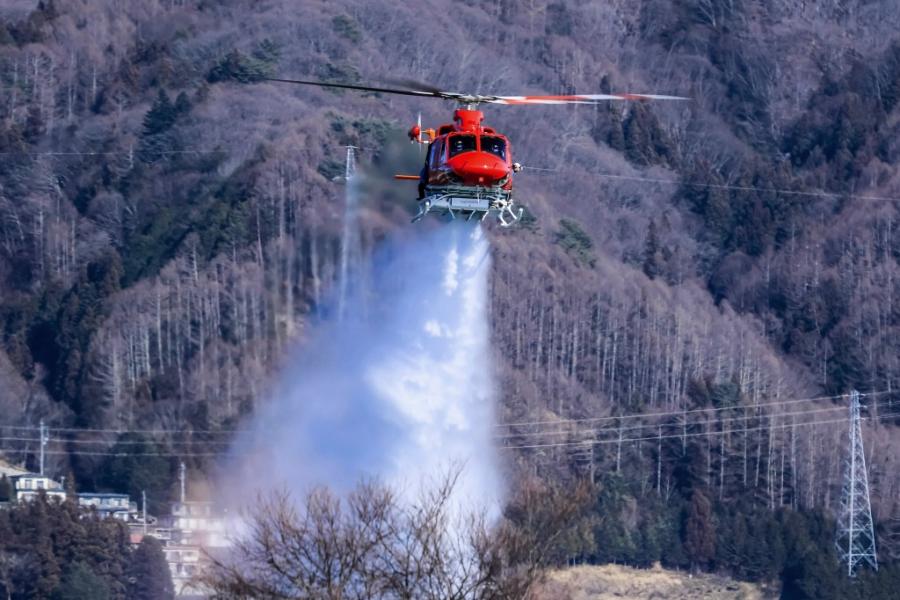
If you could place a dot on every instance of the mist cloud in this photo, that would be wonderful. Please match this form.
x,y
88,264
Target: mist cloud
x,y
399,387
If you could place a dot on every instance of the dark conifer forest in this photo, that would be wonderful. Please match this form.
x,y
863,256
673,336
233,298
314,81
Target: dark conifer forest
x,y
693,290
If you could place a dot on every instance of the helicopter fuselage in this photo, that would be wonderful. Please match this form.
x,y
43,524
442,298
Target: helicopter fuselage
x,y
468,169
469,154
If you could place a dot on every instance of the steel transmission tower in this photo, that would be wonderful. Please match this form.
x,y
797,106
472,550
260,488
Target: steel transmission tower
x,y
855,533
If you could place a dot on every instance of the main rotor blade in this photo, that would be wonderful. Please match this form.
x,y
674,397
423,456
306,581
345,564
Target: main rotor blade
x,y
365,88
412,84
427,91
577,98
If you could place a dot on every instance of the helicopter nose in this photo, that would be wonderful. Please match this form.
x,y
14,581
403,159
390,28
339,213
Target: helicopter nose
x,y
482,168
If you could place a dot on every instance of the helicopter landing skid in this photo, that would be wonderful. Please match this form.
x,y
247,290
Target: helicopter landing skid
x,y
468,208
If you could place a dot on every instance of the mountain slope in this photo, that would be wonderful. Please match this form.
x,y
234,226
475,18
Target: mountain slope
x,y
169,224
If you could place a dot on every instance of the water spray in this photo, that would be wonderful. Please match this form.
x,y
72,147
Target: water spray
x,y
397,385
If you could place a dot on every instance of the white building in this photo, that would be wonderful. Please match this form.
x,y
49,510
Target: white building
x,y
30,486
117,506
184,564
197,527
199,523
10,472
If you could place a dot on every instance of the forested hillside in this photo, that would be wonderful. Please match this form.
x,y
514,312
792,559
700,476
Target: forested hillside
x,y
170,225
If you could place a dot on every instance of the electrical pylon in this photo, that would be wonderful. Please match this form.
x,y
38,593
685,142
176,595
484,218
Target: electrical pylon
x,y
855,534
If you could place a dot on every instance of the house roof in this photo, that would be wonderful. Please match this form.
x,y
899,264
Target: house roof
x,y
10,470
54,486
103,495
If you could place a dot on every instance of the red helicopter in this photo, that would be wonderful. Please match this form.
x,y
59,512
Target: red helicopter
x,y
468,168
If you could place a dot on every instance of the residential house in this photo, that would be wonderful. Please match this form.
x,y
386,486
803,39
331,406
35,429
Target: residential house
x,y
117,506
30,485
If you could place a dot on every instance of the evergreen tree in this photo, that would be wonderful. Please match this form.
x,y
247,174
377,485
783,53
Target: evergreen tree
x,y
576,241
616,134
106,548
613,539
161,115
48,9
699,530
638,146
44,566
34,124
81,583
269,51
704,197
749,542
6,489
237,66
6,37
652,254
182,104
81,312
817,576
149,574
134,470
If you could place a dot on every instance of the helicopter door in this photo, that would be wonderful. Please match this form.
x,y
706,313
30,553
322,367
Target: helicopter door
x,y
434,154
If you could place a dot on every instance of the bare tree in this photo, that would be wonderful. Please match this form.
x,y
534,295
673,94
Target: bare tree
x,y
374,545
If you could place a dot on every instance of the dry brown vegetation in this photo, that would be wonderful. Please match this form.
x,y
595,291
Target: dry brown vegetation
x,y
609,582
373,544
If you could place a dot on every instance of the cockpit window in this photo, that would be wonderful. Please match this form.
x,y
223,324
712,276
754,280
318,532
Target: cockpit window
x,y
461,143
433,153
494,145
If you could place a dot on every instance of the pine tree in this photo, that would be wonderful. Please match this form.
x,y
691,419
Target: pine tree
x,y
104,547
149,574
182,104
817,576
237,66
37,529
81,583
6,489
34,124
699,530
616,134
161,115
652,253
638,147
6,37
131,473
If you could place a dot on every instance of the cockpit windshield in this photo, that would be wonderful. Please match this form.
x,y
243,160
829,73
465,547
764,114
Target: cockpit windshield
x,y
461,143
494,145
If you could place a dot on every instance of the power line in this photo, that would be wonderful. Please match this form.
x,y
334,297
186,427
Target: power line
x,y
122,431
684,412
740,188
676,436
596,431
755,415
517,447
116,153
614,429
521,447
123,454
557,422
116,443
